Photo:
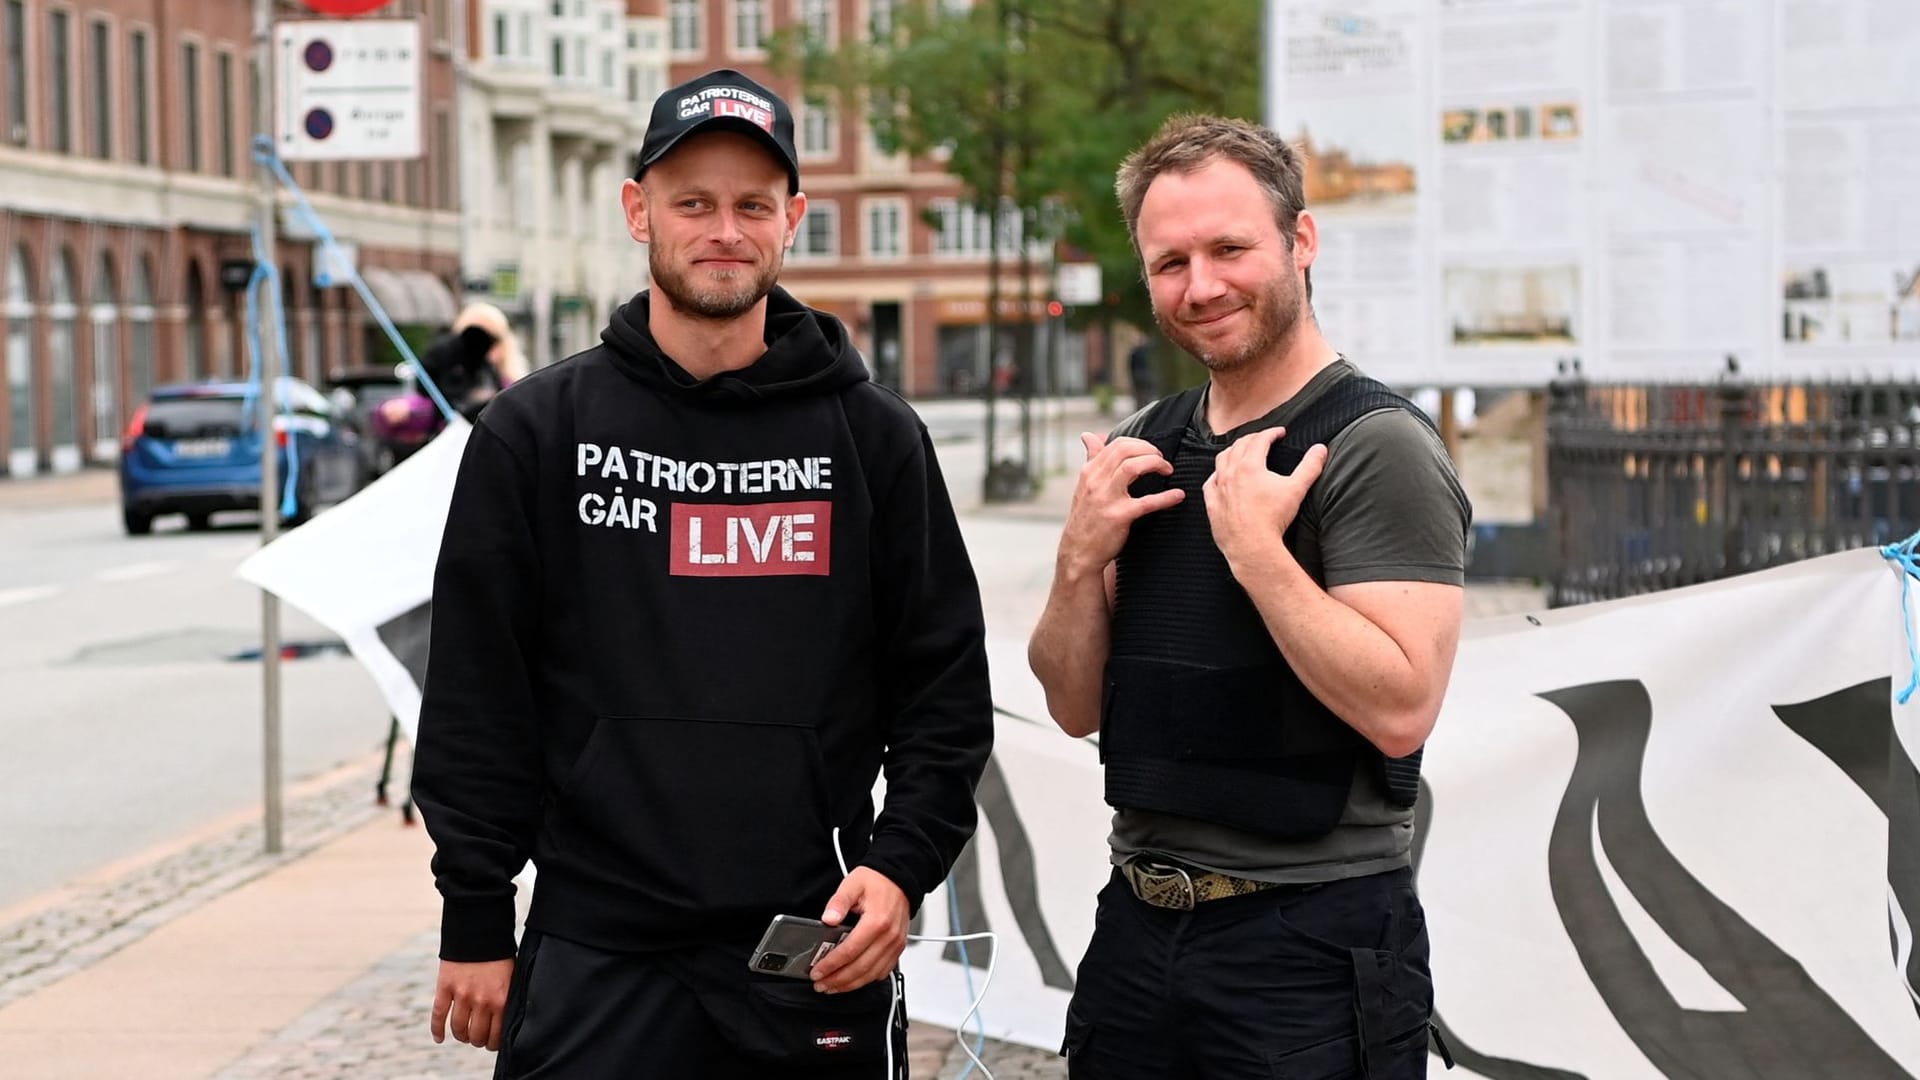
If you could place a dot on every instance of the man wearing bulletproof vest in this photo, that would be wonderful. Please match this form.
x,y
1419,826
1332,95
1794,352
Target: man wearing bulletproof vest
x,y
1256,605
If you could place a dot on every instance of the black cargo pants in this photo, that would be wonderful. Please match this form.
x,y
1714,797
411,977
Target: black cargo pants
x,y
1321,981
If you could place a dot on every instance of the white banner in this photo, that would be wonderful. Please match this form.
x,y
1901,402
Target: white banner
x,y
1653,841
1653,835
364,569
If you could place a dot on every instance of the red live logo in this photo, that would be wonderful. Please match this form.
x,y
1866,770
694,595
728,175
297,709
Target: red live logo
x,y
762,540
345,7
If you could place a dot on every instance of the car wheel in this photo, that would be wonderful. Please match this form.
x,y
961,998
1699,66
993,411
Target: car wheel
x,y
137,523
199,522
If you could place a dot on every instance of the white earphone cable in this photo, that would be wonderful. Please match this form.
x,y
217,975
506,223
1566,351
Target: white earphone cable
x,y
893,1007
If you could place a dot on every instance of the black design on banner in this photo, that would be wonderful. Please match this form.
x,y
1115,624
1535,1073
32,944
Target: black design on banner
x,y
1464,1055
405,636
1790,1027
1854,729
1017,873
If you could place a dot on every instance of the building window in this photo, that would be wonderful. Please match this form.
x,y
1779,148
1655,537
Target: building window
x,y
817,19
254,126
60,72
683,26
749,25
196,302
886,228
559,57
63,316
965,231
104,315
100,52
606,70
190,102
500,36
633,84
819,234
443,161
22,386
223,79
818,125
140,349
16,43
880,21
142,117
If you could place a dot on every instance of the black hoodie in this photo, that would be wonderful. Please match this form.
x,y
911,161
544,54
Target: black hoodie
x,y
678,627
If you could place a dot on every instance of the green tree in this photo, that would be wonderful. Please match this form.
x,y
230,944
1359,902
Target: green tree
x,y
1033,103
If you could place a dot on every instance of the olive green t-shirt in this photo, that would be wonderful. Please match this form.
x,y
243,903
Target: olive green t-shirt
x,y
1387,507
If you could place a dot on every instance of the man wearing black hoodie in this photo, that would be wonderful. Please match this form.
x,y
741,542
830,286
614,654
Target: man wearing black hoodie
x,y
699,584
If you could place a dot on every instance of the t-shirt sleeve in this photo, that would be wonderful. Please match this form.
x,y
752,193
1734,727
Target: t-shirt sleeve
x,y
1389,505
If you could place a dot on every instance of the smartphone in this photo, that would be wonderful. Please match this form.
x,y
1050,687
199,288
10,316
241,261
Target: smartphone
x,y
792,945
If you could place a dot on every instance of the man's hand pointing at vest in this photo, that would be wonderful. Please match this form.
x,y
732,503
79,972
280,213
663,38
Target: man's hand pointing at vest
x,y
1250,505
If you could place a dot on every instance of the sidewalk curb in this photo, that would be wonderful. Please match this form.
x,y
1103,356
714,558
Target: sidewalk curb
x,y
58,934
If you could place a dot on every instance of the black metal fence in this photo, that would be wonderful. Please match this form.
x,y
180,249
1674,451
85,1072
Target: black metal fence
x,y
1657,486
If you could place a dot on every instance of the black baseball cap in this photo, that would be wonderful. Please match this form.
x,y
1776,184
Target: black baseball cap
x,y
720,100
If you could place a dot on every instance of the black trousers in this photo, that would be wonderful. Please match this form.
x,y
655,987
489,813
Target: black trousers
x,y
1315,982
580,1013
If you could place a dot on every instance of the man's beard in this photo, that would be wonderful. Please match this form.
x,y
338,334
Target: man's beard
x,y
1274,314
732,296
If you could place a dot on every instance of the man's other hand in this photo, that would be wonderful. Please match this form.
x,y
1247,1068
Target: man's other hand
x,y
472,1000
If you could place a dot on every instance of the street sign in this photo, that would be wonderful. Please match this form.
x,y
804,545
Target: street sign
x,y
1077,283
345,7
349,91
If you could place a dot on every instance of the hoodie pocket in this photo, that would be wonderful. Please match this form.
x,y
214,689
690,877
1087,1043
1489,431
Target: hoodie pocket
x,y
722,815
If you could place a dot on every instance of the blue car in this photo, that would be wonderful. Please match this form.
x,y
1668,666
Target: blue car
x,y
194,449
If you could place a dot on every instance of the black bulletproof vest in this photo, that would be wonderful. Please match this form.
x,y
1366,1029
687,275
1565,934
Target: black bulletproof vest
x,y
1201,715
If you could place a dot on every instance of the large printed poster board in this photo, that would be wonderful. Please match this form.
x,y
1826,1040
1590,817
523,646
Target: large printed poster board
x,y
1646,186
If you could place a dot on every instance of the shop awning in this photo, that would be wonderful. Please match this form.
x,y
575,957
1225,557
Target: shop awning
x,y
411,297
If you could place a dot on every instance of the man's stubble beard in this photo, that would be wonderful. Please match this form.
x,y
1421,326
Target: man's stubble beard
x,y
1276,315
735,295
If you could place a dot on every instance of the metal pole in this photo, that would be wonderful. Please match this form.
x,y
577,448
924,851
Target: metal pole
x,y
1269,78
269,444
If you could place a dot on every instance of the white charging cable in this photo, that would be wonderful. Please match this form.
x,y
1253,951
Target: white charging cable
x,y
894,980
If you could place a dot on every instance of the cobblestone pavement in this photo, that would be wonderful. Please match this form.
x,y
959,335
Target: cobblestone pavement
x,y
99,921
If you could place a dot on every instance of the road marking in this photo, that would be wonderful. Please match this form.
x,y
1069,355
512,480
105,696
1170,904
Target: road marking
x,y
9,597
134,571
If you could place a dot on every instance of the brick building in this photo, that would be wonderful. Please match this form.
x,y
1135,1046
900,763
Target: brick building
x,y
915,295
126,183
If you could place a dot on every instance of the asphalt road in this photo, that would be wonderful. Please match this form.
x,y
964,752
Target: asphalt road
x,y
126,721
123,722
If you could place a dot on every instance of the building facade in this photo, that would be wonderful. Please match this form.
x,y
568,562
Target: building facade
x,y
890,244
127,197
554,104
